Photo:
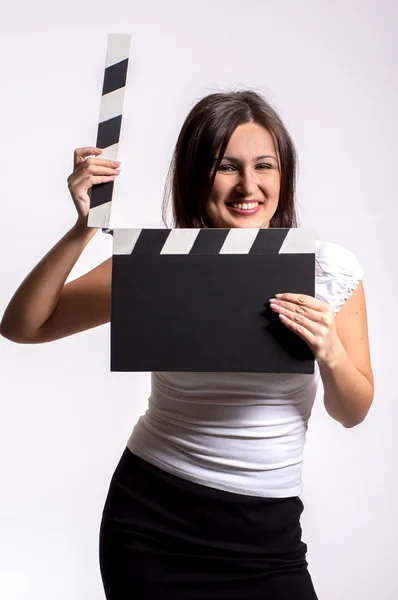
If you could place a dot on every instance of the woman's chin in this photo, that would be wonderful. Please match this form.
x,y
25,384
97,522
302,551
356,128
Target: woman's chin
x,y
249,221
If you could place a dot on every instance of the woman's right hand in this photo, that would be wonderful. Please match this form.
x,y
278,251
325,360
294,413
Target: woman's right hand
x,y
88,172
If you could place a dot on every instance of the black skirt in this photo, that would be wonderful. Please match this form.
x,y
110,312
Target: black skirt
x,y
165,538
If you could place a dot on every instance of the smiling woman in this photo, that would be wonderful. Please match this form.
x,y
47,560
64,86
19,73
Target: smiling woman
x,y
233,149
204,502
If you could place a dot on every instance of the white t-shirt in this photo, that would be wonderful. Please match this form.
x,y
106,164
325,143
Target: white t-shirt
x,y
241,432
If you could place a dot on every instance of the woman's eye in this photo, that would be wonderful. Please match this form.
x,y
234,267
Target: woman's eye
x,y
228,167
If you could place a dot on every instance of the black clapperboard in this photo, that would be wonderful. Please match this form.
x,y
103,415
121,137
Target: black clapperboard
x,y
197,300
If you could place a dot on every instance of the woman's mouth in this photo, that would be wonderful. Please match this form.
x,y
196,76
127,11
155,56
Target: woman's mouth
x,y
244,208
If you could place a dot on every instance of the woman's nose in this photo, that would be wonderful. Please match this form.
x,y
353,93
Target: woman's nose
x,y
247,184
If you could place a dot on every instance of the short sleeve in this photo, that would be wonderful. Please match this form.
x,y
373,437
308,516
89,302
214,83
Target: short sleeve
x,y
338,273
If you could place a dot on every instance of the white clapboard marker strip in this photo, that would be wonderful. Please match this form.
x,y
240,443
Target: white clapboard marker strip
x,y
118,48
239,241
111,106
302,241
111,152
109,122
100,215
180,241
124,240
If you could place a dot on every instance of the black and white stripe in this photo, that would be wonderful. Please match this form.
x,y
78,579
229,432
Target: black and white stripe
x,y
110,121
214,241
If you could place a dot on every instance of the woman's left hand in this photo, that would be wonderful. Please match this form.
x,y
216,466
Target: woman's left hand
x,y
311,319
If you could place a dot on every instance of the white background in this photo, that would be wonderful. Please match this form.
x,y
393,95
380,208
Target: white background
x,y
330,69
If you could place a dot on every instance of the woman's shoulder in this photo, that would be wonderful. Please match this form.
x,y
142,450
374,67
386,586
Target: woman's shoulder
x,y
338,272
335,259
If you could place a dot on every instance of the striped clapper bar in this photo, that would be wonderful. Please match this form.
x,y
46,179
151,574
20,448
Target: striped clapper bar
x,y
197,299
110,122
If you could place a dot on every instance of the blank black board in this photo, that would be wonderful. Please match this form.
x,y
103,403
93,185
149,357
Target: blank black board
x,y
197,300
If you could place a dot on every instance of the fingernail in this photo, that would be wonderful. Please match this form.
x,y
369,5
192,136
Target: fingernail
x,y
278,295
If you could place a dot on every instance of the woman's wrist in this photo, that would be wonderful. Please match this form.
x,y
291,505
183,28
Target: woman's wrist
x,y
81,229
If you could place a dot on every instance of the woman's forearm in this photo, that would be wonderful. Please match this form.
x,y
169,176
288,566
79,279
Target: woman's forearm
x,y
348,394
37,296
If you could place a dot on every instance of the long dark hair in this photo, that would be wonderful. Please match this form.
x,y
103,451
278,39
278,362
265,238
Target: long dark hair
x,y
209,126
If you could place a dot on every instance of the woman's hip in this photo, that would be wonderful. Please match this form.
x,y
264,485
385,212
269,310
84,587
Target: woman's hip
x,y
170,534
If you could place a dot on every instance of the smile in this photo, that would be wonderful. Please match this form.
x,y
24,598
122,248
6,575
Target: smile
x,y
244,208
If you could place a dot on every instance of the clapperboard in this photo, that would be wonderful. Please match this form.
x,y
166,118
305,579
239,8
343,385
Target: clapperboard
x,y
197,299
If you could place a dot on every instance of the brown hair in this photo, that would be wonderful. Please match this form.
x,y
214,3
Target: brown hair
x,y
209,126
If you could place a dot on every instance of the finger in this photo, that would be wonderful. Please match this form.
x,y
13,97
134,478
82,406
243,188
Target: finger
x,y
81,154
75,181
92,169
300,308
86,168
311,323
106,162
302,313
301,300
87,182
305,329
324,315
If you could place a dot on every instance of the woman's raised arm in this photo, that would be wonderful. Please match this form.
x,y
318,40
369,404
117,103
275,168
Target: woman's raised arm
x,y
43,308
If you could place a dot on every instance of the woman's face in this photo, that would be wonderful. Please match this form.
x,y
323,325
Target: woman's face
x,y
246,187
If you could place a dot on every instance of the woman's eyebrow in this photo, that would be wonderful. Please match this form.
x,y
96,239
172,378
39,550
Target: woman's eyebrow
x,y
232,158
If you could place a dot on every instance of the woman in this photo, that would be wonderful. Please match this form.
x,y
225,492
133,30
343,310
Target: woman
x,y
204,502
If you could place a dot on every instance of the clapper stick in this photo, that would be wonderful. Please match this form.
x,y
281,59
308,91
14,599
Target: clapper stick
x,y
110,121
195,300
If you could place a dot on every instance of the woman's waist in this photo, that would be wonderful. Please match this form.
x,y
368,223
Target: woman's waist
x,y
240,448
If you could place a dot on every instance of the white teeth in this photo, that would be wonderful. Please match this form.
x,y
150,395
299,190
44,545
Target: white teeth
x,y
246,205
